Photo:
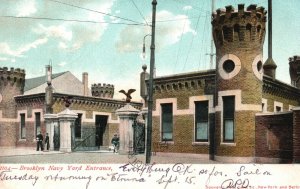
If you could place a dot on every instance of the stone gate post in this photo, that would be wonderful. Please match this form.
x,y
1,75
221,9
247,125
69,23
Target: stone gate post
x,y
66,121
51,120
127,116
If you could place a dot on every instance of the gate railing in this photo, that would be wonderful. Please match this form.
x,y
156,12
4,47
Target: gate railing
x,y
83,141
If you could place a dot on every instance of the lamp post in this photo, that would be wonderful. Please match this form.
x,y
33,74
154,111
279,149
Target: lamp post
x,y
150,92
144,55
144,48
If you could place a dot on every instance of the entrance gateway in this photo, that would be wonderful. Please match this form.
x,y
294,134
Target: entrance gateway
x,y
100,130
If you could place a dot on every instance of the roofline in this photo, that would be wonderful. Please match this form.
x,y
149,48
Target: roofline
x,y
75,97
185,76
45,75
280,84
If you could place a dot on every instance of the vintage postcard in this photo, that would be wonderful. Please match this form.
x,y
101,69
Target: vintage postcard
x,y
149,94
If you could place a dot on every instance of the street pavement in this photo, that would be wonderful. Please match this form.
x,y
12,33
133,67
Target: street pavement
x,y
30,155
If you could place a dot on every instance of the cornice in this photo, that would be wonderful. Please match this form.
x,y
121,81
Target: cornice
x,y
281,89
76,99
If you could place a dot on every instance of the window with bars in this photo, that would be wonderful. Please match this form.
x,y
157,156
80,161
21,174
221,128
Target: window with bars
x,y
201,121
228,118
167,122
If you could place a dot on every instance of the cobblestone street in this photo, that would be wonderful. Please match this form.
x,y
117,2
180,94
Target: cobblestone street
x,y
32,156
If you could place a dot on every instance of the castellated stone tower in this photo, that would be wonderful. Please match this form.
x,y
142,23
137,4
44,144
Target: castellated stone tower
x,y
295,71
239,37
11,84
104,91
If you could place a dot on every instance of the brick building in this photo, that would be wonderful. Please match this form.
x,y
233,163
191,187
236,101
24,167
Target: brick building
x,y
238,112
23,104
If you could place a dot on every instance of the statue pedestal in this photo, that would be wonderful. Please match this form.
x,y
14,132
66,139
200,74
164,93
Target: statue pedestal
x,y
67,137
51,121
127,116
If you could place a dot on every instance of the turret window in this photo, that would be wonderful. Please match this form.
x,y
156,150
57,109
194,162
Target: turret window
x,y
259,66
228,66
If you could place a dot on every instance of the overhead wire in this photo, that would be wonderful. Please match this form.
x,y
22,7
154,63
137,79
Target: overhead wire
x,y
199,64
91,10
90,21
195,7
179,46
172,20
139,11
70,20
191,44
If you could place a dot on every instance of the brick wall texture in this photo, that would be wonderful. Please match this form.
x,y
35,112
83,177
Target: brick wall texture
x,y
244,138
296,136
274,136
271,98
183,125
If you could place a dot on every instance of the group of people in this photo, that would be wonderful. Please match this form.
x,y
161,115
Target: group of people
x,y
40,140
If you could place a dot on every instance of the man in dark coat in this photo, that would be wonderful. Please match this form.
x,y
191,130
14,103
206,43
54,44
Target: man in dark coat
x,y
39,139
47,143
115,142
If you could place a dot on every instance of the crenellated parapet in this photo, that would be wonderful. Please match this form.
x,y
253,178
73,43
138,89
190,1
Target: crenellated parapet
x,y
12,77
103,90
230,26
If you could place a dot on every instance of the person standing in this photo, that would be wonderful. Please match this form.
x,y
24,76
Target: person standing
x,y
115,142
47,143
39,144
97,141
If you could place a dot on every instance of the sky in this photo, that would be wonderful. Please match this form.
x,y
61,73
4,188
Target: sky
x,y
105,37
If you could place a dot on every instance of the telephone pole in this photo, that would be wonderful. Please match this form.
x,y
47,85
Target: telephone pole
x,y
150,94
212,37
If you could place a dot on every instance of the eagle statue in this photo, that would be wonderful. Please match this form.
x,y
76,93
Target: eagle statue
x,y
67,100
128,97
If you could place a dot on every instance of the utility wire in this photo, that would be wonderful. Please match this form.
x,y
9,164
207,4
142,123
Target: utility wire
x,y
172,20
71,5
71,20
191,44
139,12
195,7
90,21
199,64
179,47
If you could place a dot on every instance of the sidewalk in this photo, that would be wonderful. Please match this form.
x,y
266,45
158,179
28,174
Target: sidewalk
x,y
21,151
